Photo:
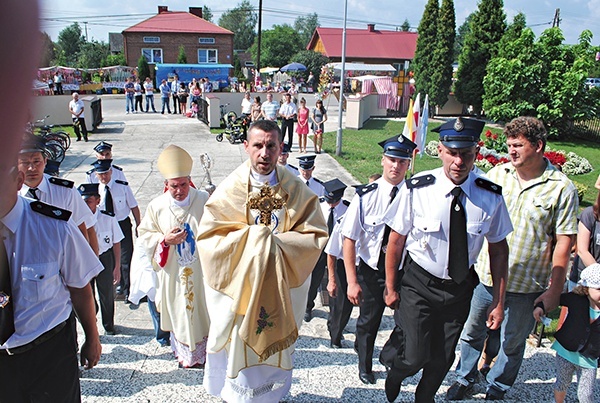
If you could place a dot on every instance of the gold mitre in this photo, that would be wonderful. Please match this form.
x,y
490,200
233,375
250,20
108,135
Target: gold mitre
x,y
174,162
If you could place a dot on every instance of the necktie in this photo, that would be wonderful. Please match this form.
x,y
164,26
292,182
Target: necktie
x,y
386,232
108,201
458,256
32,193
308,183
330,221
7,315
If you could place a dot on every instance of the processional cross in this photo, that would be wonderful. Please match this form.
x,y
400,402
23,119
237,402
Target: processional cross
x,y
265,201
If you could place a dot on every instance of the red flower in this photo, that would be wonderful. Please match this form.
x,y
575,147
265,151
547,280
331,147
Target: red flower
x,y
555,158
495,136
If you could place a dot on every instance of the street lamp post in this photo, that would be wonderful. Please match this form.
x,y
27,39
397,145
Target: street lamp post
x,y
338,144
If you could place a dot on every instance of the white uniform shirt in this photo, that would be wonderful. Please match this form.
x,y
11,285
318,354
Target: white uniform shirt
x,y
76,106
288,109
107,231
123,199
334,244
45,255
314,185
67,198
363,222
428,226
338,211
117,174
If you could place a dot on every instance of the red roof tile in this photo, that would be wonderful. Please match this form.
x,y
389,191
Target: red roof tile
x,y
177,21
362,43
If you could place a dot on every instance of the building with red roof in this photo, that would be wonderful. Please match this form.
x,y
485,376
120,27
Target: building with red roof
x,y
159,38
366,45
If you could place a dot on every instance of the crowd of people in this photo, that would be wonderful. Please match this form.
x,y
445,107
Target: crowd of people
x,y
230,276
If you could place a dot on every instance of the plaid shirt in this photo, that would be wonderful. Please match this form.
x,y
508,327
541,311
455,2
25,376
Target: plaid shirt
x,y
546,206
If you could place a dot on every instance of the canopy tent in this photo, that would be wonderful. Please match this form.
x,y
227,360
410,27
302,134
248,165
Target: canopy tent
x,y
269,69
363,67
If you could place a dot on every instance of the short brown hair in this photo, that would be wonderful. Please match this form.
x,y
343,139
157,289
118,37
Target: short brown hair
x,y
529,127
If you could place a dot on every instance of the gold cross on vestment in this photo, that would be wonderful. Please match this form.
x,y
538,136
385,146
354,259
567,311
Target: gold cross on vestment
x,y
265,201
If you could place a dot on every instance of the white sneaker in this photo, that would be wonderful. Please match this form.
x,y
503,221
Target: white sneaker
x,y
127,112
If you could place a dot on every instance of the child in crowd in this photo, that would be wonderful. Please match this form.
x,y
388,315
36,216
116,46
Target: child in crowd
x,y
577,342
193,109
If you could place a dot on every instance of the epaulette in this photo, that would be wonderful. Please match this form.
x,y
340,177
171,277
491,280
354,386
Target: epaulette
x,y
346,202
120,182
362,190
321,200
488,185
91,171
117,167
318,180
293,167
61,182
50,211
420,181
108,213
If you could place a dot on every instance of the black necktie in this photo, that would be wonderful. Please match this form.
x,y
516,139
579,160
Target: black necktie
x,y
387,230
458,257
330,221
32,193
7,315
108,201
308,183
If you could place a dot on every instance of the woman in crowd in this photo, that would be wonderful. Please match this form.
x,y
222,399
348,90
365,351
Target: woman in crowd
x,y
588,240
302,127
255,110
182,94
195,93
318,118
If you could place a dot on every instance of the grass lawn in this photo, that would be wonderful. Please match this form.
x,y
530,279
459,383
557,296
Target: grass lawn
x,y
361,155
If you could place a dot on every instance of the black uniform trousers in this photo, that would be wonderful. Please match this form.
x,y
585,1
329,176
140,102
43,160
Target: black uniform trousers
x,y
288,124
372,282
104,283
432,314
126,253
47,373
340,308
315,281
175,98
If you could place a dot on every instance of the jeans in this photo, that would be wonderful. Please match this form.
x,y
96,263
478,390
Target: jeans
x,y
161,336
165,102
516,326
150,101
129,102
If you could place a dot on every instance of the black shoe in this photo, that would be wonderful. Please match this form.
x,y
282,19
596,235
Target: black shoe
x,y
85,139
111,331
78,139
493,394
335,344
457,391
119,290
484,371
307,316
164,343
392,385
367,378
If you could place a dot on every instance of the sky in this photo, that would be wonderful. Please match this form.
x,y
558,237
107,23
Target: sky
x,y
100,18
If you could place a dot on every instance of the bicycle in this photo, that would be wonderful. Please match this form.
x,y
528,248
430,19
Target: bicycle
x,y
47,132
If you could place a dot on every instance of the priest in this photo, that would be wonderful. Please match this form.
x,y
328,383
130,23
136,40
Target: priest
x,y
167,234
260,236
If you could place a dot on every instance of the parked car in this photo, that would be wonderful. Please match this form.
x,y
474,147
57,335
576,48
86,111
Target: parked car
x,y
592,82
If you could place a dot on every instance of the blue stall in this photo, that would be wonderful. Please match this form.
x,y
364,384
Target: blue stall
x,y
216,73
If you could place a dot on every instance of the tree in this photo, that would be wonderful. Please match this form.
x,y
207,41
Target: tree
x,y
241,20
405,25
305,25
70,41
47,54
461,34
278,46
115,60
481,43
512,35
207,13
423,62
143,68
92,55
312,60
441,78
182,57
542,78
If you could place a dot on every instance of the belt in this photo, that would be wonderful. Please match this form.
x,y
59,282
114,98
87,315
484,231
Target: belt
x,y
414,265
32,344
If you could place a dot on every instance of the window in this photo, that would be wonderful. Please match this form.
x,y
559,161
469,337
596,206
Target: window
x,y
151,39
206,40
207,56
152,55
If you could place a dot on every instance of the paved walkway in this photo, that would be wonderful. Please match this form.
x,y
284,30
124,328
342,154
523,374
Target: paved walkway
x,y
134,368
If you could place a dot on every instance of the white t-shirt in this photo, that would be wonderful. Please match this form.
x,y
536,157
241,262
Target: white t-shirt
x,y
246,106
149,88
76,107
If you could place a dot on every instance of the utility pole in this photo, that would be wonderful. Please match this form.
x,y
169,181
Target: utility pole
x,y
338,141
86,35
557,20
259,37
